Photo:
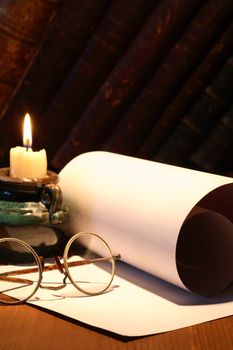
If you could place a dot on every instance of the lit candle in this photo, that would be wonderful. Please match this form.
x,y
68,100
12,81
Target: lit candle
x,y
24,162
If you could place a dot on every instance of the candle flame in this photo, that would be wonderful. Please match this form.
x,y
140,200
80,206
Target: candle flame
x,y
27,131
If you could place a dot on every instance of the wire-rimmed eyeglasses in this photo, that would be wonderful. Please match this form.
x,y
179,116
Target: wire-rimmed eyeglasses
x,y
88,263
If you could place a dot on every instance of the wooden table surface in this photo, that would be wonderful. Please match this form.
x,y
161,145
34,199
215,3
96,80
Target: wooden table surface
x,y
25,327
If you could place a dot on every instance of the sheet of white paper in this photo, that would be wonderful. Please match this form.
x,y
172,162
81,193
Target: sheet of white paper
x,y
140,208
139,304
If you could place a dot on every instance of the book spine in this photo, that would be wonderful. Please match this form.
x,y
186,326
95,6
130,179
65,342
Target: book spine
x,y
4,7
191,131
155,38
193,45
109,40
20,36
187,95
215,151
215,154
65,39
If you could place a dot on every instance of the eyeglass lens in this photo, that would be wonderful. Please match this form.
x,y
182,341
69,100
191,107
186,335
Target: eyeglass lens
x,y
89,263
17,255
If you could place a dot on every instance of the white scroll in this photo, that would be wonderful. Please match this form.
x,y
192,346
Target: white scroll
x,y
174,230
172,222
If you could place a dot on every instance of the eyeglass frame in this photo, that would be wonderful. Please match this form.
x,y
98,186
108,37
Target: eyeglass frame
x,y
61,267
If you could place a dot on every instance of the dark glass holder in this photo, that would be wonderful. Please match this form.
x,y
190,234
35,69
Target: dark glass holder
x,y
32,208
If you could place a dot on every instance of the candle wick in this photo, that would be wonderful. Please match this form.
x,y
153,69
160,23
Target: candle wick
x,y
27,145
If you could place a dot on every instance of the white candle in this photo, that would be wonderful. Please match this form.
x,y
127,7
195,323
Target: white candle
x,y
24,162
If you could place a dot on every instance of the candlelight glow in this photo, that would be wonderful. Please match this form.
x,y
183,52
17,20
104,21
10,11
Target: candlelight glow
x,y
27,131
24,162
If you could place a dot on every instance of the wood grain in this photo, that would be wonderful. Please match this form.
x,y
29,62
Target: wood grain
x,y
26,327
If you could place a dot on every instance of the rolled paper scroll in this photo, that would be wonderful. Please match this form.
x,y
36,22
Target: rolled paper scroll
x,y
172,222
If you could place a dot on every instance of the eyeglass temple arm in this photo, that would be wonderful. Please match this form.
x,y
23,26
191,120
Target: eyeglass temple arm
x,y
90,261
5,276
15,280
54,266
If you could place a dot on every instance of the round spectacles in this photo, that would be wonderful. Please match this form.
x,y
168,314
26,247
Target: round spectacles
x,y
88,263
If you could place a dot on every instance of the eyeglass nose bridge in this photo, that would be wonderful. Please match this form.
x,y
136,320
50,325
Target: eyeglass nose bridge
x,y
61,269
59,265
65,277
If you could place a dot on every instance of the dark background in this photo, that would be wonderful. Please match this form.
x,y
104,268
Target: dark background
x,y
147,78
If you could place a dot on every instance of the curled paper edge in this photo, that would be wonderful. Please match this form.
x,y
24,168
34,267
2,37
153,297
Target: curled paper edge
x,y
140,208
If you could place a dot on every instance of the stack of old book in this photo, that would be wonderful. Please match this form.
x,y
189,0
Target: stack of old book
x,y
150,79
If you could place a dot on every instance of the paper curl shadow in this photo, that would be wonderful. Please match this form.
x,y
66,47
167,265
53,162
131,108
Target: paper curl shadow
x,y
204,251
204,255
165,289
